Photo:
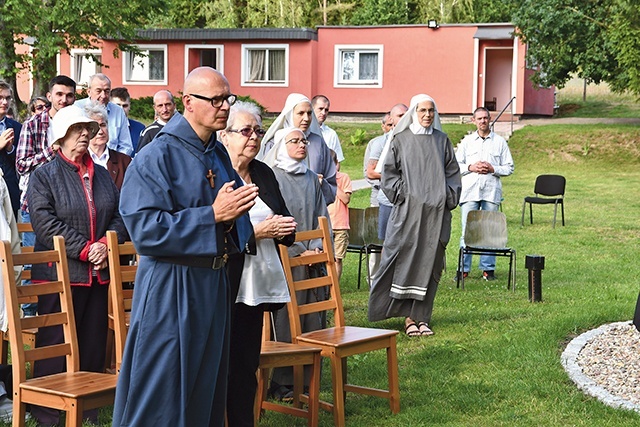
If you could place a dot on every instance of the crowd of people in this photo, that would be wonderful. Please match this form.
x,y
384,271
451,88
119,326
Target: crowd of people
x,y
206,196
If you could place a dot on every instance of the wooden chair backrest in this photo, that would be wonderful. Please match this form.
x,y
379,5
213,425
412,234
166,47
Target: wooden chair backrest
x,y
334,303
120,271
15,295
25,227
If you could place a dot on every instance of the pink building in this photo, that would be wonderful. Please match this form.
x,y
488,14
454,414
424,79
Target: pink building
x,y
360,69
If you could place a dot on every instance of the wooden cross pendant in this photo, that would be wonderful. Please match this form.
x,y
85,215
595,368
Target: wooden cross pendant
x,y
210,177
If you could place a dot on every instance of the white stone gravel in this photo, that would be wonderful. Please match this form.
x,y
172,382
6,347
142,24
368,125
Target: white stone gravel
x,y
605,363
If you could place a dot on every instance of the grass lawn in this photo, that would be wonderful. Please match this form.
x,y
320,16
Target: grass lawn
x,y
495,358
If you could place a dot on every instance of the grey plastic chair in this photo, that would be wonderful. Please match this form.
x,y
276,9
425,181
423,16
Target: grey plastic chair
x,y
486,234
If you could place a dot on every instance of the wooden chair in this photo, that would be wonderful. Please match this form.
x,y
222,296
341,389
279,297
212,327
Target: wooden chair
x,y
29,336
275,354
72,391
121,299
340,341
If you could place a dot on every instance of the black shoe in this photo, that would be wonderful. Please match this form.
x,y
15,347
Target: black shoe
x,y
488,275
460,276
281,393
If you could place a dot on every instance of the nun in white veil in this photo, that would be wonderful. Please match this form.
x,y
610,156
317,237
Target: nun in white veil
x,y
297,112
420,176
301,191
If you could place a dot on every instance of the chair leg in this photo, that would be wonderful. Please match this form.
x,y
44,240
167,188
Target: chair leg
x,y
314,392
338,391
74,414
19,411
555,211
562,211
510,273
360,266
531,213
394,382
261,393
524,206
458,268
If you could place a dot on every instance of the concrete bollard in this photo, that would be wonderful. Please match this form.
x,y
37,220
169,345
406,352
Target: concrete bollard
x,y
535,265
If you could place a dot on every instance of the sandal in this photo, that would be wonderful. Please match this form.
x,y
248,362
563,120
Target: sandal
x,y
415,332
425,329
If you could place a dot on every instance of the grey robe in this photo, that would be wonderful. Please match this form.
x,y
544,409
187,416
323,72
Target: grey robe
x,y
304,199
421,178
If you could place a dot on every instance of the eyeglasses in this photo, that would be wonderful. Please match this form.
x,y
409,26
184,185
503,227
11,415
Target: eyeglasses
x,y
429,111
247,132
298,141
40,107
6,98
217,101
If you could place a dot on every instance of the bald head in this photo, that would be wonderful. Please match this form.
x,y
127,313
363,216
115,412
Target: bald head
x,y
164,105
397,112
203,88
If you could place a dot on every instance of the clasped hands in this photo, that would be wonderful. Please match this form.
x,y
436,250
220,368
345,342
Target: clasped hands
x,y
231,203
481,167
98,255
275,227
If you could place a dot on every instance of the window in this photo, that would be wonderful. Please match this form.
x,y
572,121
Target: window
x,y
84,64
358,66
198,55
265,65
147,67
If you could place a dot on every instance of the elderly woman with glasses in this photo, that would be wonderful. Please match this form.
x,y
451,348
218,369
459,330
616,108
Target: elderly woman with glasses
x,y
38,104
113,161
257,281
71,197
298,113
303,194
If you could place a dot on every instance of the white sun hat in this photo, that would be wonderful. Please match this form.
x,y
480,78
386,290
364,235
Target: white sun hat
x,y
65,118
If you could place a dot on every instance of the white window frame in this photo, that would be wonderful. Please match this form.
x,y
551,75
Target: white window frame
x,y
146,47
72,70
360,48
220,55
244,64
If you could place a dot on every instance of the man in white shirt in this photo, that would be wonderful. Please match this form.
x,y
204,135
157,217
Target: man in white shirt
x,y
321,104
100,93
483,158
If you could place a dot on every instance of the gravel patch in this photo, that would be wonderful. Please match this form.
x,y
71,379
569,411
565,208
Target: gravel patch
x,y
605,363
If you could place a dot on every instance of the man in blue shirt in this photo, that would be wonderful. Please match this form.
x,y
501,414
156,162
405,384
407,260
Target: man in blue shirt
x,y
120,96
100,92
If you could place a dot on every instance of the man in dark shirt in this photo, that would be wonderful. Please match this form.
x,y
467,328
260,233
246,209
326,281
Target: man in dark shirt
x,y
165,108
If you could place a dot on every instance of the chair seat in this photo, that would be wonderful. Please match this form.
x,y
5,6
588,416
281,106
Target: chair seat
x,y
496,250
73,384
541,200
283,348
346,335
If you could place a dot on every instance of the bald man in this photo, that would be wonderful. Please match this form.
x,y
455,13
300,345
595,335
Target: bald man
x,y
164,107
186,211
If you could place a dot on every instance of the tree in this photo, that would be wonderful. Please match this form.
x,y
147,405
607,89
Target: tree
x,y
53,26
599,40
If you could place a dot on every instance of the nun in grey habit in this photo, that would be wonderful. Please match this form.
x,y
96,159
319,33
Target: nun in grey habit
x,y
421,177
